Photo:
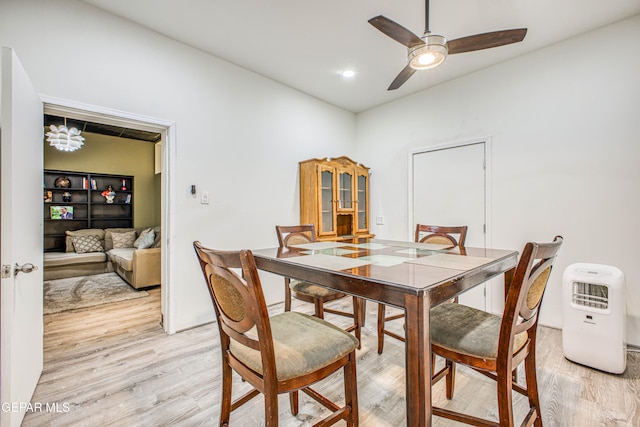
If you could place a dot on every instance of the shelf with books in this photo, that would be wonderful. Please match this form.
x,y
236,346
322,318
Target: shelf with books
x,y
77,200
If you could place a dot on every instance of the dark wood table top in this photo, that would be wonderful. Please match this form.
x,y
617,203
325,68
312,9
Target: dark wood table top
x,y
412,276
395,268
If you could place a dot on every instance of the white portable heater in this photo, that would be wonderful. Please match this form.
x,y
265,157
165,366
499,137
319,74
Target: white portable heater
x,y
594,317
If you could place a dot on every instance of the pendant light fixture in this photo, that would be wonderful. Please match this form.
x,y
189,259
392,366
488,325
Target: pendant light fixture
x,y
63,138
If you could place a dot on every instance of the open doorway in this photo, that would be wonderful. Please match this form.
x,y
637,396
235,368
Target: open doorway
x,y
106,118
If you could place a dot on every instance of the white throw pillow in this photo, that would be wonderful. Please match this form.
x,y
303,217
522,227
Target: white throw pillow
x,y
142,234
145,241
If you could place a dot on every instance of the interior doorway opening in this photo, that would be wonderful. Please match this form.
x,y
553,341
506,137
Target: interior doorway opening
x,y
105,117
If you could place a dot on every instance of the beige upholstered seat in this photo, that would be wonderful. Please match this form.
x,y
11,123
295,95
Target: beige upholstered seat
x,y
314,291
282,354
288,237
434,234
469,331
300,344
495,345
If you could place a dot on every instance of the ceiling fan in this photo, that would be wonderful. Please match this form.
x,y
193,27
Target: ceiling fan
x,y
431,50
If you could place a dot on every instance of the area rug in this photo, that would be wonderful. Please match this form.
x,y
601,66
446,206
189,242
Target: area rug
x,y
86,291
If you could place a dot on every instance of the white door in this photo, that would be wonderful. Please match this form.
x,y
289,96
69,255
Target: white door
x,y
449,189
21,155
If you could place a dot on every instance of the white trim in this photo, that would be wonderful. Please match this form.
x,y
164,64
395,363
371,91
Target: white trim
x,y
169,218
167,128
488,193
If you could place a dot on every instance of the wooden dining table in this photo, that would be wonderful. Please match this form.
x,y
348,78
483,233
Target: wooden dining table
x,y
412,276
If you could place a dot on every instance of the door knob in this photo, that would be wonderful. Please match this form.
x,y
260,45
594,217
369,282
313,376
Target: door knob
x,y
24,268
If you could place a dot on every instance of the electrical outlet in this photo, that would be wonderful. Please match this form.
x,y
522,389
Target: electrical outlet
x,y
380,220
204,198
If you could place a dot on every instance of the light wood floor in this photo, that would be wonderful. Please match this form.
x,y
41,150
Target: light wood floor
x,y
114,365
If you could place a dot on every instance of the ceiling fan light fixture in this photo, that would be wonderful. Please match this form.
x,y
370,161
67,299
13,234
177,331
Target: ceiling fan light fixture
x,y
429,55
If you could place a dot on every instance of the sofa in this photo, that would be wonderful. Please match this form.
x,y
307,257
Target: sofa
x,y
132,253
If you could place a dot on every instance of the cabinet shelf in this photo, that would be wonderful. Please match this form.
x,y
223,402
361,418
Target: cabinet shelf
x,y
64,189
110,204
104,218
90,209
66,203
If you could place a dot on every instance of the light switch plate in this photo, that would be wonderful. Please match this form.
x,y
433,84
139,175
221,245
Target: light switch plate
x,y
204,198
380,220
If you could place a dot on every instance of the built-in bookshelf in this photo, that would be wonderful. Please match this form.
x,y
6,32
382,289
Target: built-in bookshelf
x,y
78,200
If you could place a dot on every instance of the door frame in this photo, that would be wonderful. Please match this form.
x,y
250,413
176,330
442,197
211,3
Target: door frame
x,y
488,173
167,128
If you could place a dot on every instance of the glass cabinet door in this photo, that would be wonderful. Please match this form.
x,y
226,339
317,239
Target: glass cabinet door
x,y
327,223
362,223
345,199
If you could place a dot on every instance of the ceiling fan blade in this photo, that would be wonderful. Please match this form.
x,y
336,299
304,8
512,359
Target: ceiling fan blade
x,y
486,40
396,31
401,78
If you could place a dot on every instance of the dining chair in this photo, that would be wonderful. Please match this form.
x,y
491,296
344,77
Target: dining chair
x,y
434,234
495,345
285,353
289,235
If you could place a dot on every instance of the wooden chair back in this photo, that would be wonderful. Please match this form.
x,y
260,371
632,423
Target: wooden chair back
x,y
441,235
525,293
295,234
434,234
238,300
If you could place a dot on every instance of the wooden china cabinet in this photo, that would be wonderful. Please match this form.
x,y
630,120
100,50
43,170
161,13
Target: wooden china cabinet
x,y
334,196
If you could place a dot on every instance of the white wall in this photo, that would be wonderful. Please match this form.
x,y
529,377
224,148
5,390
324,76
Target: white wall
x,y
240,136
565,126
565,138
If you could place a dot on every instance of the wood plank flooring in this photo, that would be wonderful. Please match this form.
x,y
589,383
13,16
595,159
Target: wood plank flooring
x,y
113,365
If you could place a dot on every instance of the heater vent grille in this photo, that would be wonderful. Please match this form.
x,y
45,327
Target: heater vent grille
x,y
591,295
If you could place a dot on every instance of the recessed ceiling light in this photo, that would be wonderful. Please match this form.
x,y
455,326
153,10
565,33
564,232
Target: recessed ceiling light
x,y
348,74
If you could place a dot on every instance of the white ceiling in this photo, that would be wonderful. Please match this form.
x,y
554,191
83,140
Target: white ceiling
x,y
305,44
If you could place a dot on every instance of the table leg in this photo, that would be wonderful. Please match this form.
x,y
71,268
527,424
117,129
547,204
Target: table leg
x,y
418,361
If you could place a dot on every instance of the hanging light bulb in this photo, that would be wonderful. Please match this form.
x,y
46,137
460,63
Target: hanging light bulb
x,y
429,55
63,138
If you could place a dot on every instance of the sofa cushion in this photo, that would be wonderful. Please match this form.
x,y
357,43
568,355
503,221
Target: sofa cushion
x,y
123,240
123,257
53,259
145,239
108,236
86,232
85,244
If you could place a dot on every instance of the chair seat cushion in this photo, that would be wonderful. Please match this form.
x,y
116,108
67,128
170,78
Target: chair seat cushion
x,y
302,344
311,290
469,331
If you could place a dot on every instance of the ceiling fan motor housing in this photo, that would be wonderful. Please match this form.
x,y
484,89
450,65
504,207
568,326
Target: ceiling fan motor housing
x,y
430,54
